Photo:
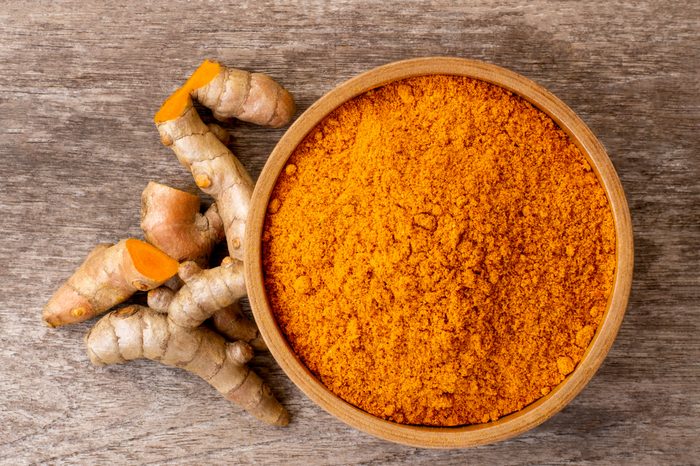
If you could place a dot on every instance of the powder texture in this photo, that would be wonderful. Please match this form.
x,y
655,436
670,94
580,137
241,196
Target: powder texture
x,y
438,252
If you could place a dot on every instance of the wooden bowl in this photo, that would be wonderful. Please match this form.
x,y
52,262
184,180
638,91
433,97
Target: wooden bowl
x,y
423,436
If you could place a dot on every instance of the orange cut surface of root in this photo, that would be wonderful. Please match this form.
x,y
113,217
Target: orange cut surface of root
x,y
179,100
202,75
151,261
174,106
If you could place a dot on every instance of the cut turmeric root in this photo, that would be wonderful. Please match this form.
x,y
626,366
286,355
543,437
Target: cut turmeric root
x,y
177,339
109,275
231,93
216,171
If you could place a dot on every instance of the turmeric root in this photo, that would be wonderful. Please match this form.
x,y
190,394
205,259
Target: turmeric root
x,y
234,325
228,321
159,298
216,171
177,339
229,93
232,93
109,275
171,221
136,332
220,133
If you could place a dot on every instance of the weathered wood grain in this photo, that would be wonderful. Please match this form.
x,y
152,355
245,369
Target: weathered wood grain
x,y
79,84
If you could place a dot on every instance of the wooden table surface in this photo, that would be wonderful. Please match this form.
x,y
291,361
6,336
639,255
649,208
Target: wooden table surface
x,y
79,84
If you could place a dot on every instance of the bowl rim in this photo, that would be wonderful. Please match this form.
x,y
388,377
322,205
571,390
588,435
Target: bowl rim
x,y
428,436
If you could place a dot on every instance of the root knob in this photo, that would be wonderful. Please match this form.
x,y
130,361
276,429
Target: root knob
x,y
239,351
202,180
139,285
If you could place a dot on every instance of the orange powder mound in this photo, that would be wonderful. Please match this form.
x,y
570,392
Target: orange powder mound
x,y
438,252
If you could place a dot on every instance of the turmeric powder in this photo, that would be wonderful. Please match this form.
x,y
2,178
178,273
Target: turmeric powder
x,y
438,252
